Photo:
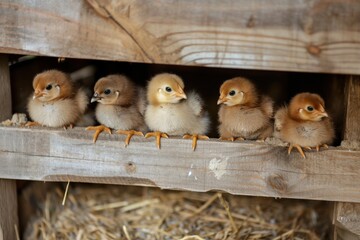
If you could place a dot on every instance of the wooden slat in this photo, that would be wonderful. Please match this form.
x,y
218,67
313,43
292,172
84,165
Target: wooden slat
x,y
246,168
8,196
347,215
309,36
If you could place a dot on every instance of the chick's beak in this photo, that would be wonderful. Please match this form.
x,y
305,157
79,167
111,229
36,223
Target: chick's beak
x,y
38,93
95,98
322,112
180,93
221,99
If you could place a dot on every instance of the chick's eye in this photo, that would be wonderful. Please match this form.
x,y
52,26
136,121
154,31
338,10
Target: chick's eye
x,y
232,93
107,91
310,108
168,89
48,87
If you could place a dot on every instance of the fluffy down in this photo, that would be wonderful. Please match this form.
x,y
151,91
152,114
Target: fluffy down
x,y
185,117
58,113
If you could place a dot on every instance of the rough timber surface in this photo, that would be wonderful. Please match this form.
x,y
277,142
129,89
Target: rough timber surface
x,y
309,36
245,168
8,194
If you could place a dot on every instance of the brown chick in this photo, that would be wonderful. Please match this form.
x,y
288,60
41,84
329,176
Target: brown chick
x,y
171,111
121,106
305,123
243,114
56,102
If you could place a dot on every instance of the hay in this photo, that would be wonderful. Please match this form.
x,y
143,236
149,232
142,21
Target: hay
x,y
131,213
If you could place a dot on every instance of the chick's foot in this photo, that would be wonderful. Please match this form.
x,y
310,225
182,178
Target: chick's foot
x,y
32,124
298,147
194,138
227,139
98,130
320,146
158,135
129,134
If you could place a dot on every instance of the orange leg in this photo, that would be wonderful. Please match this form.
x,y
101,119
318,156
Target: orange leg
x,y
194,138
98,130
298,147
129,134
158,135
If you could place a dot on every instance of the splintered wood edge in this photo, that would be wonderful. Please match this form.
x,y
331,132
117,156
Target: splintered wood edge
x,y
244,168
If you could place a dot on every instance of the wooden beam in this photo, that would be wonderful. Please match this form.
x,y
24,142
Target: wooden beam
x,y
8,196
307,36
246,168
347,215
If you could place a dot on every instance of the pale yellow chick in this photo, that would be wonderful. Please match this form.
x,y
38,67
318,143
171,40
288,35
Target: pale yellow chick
x,y
305,123
56,103
244,114
171,112
121,106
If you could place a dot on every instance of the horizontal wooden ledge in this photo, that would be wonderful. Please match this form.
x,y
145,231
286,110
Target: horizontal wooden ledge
x,y
245,168
280,35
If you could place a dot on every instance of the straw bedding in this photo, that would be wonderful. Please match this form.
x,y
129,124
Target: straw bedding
x,y
118,212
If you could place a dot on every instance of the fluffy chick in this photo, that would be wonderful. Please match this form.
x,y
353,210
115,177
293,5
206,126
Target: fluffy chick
x,y
305,123
170,111
243,114
56,102
121,106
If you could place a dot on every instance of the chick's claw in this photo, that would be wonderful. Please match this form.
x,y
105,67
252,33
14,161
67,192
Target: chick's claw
x,y
320,146
158,135
32,124
227,139
98,130
298,147
194,138
129,134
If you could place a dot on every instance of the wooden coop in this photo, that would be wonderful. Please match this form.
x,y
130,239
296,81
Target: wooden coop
x,y
289,46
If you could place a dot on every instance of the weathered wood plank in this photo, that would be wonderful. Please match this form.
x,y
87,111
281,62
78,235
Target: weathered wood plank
x,y
8,196
309,36
347,215
239,168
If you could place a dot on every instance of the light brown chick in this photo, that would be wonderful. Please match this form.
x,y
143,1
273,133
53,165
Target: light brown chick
x,y
121,106
305,123
243,114
171,111
56,103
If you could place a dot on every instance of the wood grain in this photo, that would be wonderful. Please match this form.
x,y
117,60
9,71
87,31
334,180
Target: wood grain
x,y
307,36
8,196
347,215
5,89
245,168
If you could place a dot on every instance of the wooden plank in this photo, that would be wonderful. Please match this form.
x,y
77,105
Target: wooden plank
x,y
308,36
352,88
5,89
347,215
8,196
245,168
8,209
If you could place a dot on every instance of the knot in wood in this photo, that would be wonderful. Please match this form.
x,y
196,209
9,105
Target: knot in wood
x,y
130,167
313,50
278,183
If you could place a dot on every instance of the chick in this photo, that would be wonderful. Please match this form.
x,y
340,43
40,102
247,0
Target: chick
x,y
305,123
243,114
56,102
121,106
171,111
